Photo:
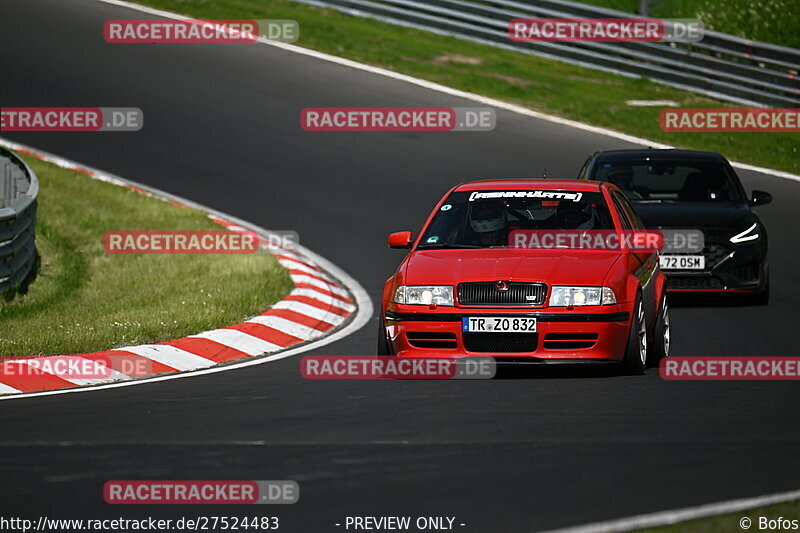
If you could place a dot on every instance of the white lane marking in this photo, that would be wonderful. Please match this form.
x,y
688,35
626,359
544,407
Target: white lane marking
x,y
239,340
321,284
324,298
456,92
651,103
676,516
109,373
287,326
7,389
171,356
357,321
310,311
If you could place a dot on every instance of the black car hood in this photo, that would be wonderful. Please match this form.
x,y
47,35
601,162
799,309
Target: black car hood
x,y
727,215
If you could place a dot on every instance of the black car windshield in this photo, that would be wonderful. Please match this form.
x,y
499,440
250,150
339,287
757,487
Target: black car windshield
x,y
673,180
484,219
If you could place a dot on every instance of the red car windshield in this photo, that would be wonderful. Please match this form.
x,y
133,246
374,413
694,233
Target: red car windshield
x,y
484,219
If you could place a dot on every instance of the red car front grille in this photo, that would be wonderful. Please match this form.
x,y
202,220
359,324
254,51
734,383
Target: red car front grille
x,y
501,293
569,341
500,342
443,340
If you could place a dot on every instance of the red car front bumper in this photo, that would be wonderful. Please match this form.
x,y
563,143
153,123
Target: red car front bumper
x,y
586,333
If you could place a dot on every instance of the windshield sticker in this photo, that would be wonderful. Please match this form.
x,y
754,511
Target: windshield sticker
x,y
432,240
446,207
574,196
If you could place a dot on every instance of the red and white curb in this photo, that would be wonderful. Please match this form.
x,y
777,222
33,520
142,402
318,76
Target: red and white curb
x,y
325,305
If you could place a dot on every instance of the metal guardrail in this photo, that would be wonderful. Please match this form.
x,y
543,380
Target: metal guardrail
x,y
19,190
720,66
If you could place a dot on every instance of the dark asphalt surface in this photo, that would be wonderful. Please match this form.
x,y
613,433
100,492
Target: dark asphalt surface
x,y
516,455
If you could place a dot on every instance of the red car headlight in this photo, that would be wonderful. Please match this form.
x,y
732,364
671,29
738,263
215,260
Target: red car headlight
x,y
565,296
424,295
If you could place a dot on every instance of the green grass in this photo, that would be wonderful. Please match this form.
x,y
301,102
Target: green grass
x,y
87,300
771,21
581,94
730,522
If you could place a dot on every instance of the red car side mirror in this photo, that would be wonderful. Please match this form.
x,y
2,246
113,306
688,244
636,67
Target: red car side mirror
x,y
401,239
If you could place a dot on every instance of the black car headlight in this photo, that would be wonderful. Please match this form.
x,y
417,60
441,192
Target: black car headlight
x,y
750,234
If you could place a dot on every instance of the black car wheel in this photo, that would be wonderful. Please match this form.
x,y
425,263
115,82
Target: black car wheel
x,y
762,296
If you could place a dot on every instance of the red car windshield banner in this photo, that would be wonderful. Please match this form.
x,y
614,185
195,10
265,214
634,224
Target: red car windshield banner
x,y
542,195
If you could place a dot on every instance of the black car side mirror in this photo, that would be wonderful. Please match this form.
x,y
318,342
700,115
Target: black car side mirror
x,y
761,198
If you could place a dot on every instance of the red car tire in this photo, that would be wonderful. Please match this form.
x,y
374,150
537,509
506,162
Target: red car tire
x,y
636,352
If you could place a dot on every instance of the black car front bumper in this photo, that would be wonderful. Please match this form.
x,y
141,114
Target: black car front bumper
x,y
729,268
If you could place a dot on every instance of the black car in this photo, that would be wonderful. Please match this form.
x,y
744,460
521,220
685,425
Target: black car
x,y
690,190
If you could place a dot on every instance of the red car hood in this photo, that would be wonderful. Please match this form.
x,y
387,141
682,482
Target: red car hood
x,y
554,267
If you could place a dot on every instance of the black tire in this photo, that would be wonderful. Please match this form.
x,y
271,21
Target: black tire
x,y
659,348
383,342
636,351
34,272
762,296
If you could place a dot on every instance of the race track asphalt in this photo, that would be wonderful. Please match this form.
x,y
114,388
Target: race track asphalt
x,y
508,455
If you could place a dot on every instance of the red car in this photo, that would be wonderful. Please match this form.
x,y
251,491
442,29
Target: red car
x,y
472,283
